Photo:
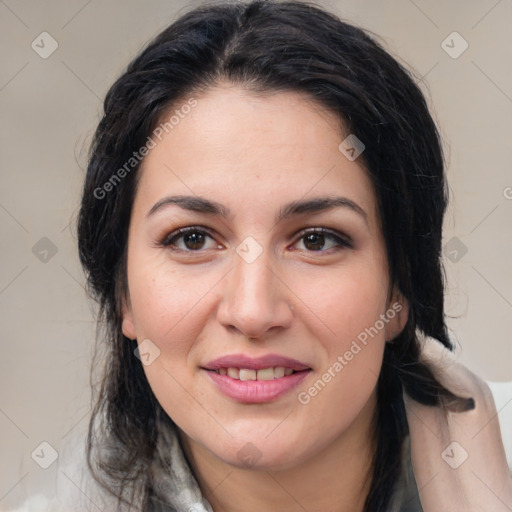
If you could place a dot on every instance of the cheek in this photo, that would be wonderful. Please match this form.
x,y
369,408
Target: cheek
x,y
344,302
169,309
166,302
349,313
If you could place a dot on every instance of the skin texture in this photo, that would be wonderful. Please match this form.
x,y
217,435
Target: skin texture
x,y
255,153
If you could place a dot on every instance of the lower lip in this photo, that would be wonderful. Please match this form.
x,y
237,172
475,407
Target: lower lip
x,y
256,391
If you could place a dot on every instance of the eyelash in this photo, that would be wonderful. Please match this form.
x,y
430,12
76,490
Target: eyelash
x,y
169,241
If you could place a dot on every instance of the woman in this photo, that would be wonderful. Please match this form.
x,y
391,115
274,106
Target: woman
x,y
261,225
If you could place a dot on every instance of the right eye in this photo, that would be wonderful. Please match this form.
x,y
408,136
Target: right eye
x,y
189,239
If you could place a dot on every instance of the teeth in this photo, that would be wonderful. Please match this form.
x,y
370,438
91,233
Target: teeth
x,y
263,374
248,374
233,373
279,372
266,374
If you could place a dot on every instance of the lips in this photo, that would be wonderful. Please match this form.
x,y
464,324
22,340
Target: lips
x,y
256,380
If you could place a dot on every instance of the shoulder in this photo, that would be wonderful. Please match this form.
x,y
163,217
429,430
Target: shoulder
x,y
40,503
74,488
493,400
459,458
502,395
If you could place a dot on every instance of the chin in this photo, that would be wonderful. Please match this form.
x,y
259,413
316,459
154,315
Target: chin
x,y
258,462
255,455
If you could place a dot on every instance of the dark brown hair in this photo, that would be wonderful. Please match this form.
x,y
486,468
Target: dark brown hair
x,y
267,46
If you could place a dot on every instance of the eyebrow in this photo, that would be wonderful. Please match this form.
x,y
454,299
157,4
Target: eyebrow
x,y
300,207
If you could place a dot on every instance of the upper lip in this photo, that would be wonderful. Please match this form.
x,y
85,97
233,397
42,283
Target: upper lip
x,y
255,363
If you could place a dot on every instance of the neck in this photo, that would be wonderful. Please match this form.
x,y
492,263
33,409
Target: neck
x,y
337,479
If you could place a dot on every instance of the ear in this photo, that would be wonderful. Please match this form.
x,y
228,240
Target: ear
x,y
397,312
128,325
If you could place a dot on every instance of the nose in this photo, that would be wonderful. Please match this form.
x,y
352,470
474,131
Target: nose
x,y
255,300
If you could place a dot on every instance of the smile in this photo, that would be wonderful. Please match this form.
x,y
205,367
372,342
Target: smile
x,y
253,380
245,374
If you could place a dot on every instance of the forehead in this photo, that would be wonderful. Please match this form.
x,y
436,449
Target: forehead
x,y
242,147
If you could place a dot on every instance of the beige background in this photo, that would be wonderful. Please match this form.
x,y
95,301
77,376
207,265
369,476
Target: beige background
x,y
49,108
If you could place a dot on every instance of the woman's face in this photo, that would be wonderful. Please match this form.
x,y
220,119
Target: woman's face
x,y
251,286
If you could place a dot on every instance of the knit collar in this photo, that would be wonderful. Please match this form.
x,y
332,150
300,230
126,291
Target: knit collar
x,y
172,479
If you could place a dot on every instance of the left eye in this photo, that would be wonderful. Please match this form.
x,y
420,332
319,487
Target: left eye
x,y
317,237
194,239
